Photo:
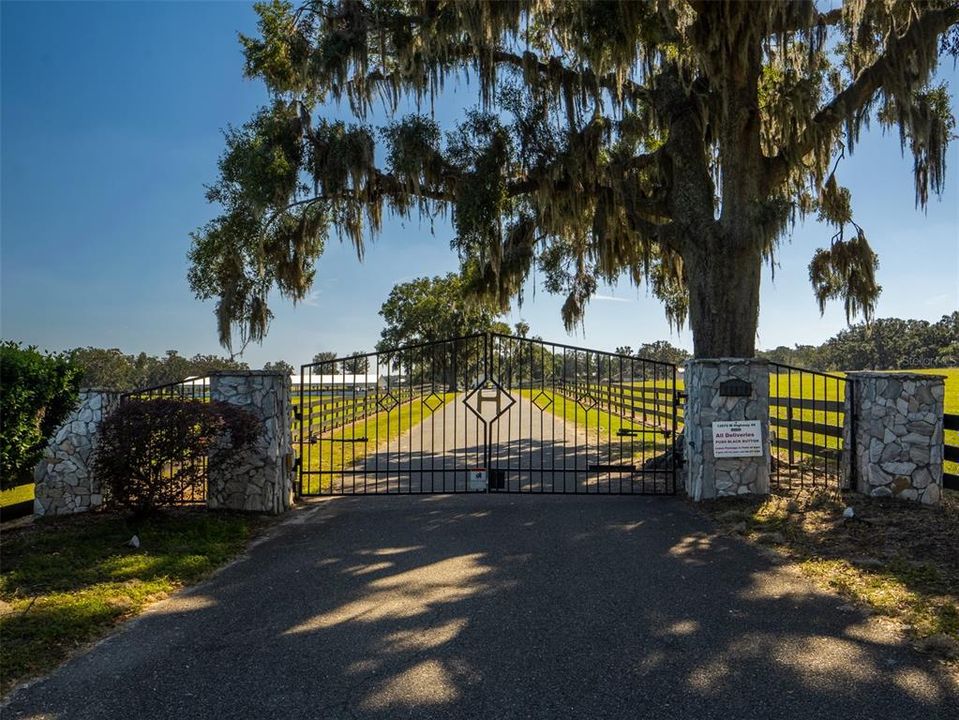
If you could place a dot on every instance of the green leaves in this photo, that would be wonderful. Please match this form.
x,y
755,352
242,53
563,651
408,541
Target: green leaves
x,y
846,271
281,52
37,392
432,308
613,140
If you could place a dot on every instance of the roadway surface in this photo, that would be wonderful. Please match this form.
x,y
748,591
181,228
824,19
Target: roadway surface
x,y
498,606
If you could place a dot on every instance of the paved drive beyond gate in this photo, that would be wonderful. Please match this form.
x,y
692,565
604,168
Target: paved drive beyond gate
x,y
487,412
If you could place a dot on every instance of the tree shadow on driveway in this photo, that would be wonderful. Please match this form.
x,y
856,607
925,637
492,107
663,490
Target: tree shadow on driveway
x,y
499,607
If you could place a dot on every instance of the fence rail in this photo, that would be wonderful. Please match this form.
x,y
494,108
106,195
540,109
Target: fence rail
x,y
191,388
950,452
336,409
644,405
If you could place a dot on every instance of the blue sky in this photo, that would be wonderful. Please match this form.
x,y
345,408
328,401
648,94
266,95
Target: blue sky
x,y
110,126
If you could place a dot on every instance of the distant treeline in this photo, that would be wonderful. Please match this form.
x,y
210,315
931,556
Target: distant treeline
x,y
886,344
112,368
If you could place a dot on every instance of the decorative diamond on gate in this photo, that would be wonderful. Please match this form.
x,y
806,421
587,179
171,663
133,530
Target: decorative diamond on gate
x,y
542,400
433,402
488,400
586,401
388,401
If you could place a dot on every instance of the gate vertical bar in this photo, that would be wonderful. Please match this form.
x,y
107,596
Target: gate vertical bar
x,y
673,438
302,424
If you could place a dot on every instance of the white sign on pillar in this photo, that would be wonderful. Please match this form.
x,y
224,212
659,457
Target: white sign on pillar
x,y
733,438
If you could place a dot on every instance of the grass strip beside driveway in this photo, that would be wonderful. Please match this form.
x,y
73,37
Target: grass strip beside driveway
x,y
895,558
66,583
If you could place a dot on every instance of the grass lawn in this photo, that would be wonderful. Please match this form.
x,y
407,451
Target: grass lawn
x,y
66,583
896,559
18,494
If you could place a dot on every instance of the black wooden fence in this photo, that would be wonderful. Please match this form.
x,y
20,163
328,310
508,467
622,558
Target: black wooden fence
x,y
950,478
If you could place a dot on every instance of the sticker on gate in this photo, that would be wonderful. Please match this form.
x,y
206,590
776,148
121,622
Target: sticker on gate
x,y
477,480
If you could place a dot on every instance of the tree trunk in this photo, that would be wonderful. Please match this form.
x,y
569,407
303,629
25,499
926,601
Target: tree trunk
x,y
723,280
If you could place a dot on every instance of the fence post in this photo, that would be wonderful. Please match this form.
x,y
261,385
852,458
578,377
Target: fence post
x,y
894,434
64,476
708,476
263,480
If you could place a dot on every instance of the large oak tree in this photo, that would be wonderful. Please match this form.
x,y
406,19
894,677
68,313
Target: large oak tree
x,y
671,142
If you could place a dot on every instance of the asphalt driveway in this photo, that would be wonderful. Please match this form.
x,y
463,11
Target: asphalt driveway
x,y
491,606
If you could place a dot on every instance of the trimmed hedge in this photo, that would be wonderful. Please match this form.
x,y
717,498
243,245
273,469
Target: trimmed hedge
x,y
37,392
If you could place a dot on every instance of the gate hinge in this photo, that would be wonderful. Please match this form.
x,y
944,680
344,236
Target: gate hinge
x,y
297,414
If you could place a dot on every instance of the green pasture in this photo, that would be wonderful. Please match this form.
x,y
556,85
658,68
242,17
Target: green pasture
x,y
14,495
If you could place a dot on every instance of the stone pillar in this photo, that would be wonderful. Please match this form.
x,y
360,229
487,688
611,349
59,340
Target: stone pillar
x,y
263,479
64,477
707,476
893,434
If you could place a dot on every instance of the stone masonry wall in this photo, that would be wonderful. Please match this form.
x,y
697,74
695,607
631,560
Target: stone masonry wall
x,y
707,476
896,448
263,480
64,477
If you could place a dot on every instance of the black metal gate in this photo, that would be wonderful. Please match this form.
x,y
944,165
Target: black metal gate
x,y
487,412
806,419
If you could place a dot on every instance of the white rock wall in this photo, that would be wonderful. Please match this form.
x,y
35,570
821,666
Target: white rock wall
x,y
895,442
64,478
263,479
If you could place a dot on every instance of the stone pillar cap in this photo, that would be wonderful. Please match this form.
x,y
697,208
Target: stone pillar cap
x,y
895,374
731,361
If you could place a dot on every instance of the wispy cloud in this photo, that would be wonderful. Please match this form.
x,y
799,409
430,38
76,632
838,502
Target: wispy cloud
x,y
940,299
611,298
312,299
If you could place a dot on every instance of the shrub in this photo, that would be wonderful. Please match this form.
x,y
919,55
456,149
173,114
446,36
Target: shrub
x,y
37,392
151,451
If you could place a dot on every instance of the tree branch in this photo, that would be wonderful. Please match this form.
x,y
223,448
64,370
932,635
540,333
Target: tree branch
x,y
795,23
552,67
661,233
859,92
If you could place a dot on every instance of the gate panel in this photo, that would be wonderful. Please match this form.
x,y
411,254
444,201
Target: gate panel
x,y
806,419
584,421
528,416
388,422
